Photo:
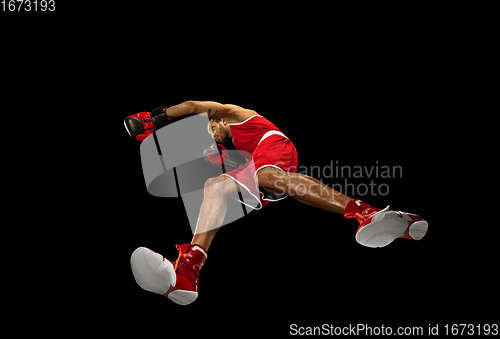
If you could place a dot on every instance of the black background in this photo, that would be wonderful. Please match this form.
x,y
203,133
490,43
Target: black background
x,y
347,90
291,263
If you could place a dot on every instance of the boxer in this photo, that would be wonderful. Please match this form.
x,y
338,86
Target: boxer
x,y
270,176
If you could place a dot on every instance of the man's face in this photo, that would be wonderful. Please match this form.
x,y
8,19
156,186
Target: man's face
x,y
220,131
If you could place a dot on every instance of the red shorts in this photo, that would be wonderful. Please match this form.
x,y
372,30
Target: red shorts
x,y
274,151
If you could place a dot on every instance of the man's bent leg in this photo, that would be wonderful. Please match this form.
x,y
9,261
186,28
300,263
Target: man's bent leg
x,y
303,188
213,209
378,227
178,280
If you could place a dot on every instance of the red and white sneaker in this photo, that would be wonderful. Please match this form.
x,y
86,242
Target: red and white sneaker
x,y
379,227
176,280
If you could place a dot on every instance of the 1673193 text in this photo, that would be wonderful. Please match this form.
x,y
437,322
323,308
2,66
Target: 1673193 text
x,y
28,5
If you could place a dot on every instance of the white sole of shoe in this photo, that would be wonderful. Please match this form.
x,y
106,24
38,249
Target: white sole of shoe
x,y
151,272
418,229
387,226
154,274
182,297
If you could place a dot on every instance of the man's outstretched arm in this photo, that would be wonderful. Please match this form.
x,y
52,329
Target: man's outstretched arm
x,y
142,124
210,107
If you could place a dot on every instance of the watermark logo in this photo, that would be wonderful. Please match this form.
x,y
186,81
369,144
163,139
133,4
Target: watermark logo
x,y
174,166
342,175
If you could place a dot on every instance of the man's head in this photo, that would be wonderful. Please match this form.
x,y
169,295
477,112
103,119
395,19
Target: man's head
x,y
219,129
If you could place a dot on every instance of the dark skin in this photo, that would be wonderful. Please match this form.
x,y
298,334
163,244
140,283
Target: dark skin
x,y
303,188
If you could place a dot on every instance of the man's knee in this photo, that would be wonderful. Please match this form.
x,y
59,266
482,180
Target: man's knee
x,y
220,185
272,180
212,181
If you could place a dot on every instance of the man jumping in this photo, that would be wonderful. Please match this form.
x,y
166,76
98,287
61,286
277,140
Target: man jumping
x,y
270,176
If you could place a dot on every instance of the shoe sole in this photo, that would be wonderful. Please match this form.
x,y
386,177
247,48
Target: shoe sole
x,y
387,226
154,273
182,297
151,271
418,229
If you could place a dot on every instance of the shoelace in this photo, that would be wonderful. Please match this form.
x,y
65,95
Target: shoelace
x,y
181,255
362,218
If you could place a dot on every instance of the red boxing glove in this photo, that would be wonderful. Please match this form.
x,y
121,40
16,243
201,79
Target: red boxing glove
x,y
214,156
139,126
219,158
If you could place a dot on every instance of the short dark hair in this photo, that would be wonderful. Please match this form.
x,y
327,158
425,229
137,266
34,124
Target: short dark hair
x,y
209,127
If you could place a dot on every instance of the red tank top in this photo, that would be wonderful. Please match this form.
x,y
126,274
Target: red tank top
x,y
247,134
